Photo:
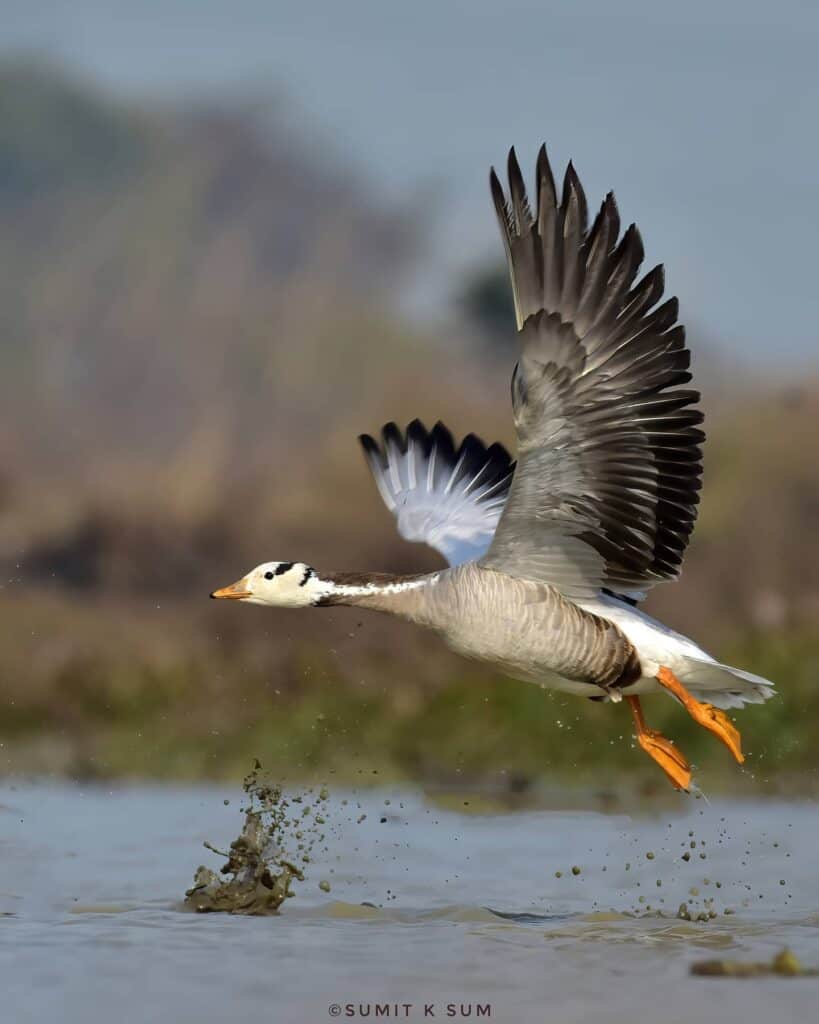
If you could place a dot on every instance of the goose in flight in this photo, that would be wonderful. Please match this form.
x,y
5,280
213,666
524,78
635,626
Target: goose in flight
x,y
550,556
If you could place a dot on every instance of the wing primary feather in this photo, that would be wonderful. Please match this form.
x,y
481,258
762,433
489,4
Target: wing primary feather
x,y
608,432
517,190
427,483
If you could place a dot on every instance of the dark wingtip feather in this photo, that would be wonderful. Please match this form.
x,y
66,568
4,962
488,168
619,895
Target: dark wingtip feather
x,y
442,438
374,454
502,208
391,434
486,467
417,428
517,190
613,213
419,435
637,243
499,452
368,443
546,191
672,308
573,190
495,187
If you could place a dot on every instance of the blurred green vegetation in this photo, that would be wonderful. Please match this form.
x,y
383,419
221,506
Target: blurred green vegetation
x,y
198,317
145,691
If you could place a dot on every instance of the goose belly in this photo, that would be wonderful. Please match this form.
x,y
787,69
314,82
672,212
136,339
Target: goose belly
x,y
533,633
518,662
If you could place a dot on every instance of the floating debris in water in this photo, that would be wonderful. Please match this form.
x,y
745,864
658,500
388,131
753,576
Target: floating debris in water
x,y
685,913
783,965
259,872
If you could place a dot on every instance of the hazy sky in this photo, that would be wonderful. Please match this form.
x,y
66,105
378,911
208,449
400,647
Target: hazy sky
x,y
701,115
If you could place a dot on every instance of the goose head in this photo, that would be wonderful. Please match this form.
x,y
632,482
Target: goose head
x,y
277,584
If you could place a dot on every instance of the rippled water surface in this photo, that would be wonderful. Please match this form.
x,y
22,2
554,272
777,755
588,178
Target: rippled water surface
x,y
426,907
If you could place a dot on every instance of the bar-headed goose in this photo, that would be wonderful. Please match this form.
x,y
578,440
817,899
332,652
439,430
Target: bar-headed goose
x,y
550,556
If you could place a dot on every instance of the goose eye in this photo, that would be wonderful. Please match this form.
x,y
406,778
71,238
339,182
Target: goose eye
x,y
268,575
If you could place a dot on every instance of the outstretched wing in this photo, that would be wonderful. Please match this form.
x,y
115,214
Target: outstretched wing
x,y
450,499
609,463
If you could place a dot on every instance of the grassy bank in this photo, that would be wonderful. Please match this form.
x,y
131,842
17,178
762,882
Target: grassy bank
x,y
158,694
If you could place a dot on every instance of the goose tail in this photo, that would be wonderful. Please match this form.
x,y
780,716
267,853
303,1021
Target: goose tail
x,y
723,685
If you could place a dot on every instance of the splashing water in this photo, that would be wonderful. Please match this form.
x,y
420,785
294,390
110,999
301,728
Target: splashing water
x,y
262,862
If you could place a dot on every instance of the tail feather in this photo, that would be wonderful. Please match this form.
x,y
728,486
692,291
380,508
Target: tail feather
x,y
723,685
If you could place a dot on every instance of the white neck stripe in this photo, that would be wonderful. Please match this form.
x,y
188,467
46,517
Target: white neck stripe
x,y
328,587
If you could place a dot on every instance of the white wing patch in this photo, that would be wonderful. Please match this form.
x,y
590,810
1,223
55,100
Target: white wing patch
x,y
447,498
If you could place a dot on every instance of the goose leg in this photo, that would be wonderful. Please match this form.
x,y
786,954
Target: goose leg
x,y
706,715
667,756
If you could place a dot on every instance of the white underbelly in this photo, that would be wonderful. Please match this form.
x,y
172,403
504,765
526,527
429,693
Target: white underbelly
x,y
550,681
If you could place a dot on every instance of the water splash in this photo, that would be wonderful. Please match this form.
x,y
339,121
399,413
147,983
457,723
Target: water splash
x,y
269,854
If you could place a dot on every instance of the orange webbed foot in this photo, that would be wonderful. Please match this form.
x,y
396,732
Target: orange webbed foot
x,y
668,757
710,718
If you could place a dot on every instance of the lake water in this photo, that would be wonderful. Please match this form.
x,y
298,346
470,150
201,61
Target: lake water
x,y
463,909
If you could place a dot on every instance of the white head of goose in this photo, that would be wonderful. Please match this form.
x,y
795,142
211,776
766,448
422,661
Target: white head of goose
x,y
549,558
277,584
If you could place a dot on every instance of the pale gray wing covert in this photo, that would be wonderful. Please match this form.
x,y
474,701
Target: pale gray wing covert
x,y
609,461
448,498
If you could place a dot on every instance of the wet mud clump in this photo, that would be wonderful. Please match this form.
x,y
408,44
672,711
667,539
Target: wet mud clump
x,y
267,857
783,965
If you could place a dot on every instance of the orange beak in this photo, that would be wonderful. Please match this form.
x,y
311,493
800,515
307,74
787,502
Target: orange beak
x,y
235,592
